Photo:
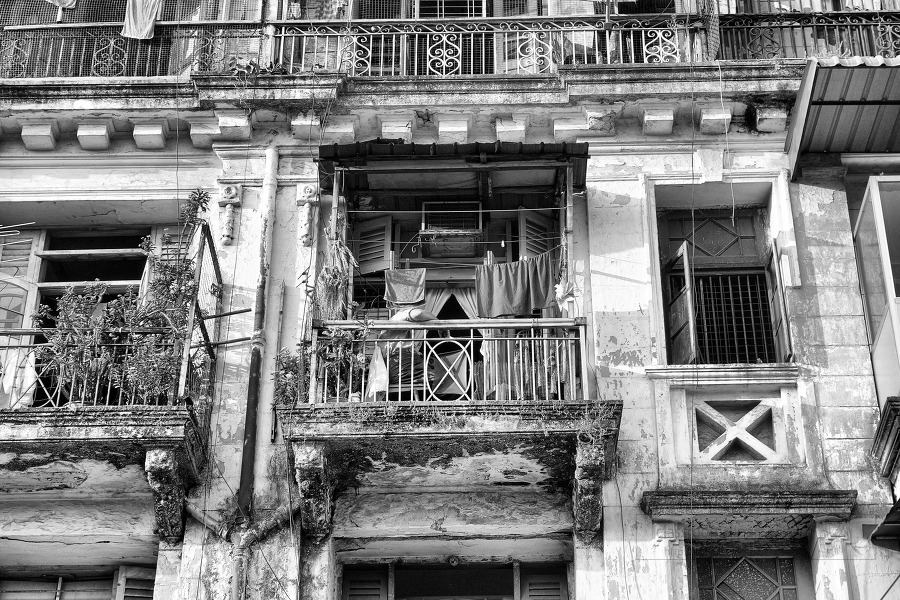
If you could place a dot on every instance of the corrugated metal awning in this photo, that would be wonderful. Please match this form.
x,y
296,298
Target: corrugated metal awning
x,y
847,105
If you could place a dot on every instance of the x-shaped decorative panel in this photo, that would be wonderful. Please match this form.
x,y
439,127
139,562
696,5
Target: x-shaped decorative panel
x,y
736,432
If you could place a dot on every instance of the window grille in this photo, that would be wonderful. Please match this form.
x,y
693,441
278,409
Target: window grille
x,y
733,318
380,9
746,578
41,12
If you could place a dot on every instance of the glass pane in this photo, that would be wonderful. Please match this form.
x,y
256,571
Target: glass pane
x,y
868,257
12,305
787,571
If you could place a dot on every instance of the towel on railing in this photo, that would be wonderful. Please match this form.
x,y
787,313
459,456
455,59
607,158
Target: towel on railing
x,y
140,18
63,3
515,288
404,287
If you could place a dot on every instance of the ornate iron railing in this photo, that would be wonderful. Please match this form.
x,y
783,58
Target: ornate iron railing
x,y
483,47
801,35
100,50
491,360
178,363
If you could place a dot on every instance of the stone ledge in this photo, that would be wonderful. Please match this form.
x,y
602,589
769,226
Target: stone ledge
x,y
886,444
688,376
680,505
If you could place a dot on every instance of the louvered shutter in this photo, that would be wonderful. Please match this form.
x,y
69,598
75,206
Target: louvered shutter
x,y
134,583
681,313
781,333
372,244
171,244
16,252
544,587
27,590
365,585
535,234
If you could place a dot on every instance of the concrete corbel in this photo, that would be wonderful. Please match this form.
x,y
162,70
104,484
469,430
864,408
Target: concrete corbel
x,y
453,128
307,127
601,119
164,477
341,130
203,129
768,119
316,490
588,492
398,127
712,119
95,134
150,134
230,200
234,124
512,128
39,134
658,119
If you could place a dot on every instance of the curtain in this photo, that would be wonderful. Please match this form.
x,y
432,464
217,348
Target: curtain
x,y
140,18
63,3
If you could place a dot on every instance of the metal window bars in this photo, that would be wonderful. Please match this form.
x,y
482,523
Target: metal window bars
x,y
96,373
489,360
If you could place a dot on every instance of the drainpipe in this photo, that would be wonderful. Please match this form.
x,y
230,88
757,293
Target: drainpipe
x,y
248,456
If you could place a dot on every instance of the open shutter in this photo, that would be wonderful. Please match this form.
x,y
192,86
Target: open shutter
x,y
365,585
548,586
372,244
682,313
535,234
781,332
28,590
134,583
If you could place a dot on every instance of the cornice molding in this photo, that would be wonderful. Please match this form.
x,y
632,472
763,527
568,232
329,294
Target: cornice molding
x,y
108,161
674,505
691,376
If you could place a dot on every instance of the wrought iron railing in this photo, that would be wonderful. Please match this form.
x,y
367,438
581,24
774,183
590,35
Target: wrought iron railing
x,y
492,360
179,363
100,50
803,35
482,47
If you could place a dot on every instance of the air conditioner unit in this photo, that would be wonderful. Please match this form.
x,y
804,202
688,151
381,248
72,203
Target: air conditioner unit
x,y
451,229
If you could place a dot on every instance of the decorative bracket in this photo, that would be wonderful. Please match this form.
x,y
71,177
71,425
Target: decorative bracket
x,y
316,488
590,470
230,199
306,200
163,475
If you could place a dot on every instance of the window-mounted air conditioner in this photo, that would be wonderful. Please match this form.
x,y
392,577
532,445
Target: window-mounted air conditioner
x,y
451,229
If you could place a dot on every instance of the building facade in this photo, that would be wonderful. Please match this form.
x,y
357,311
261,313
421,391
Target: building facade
x,y
406,299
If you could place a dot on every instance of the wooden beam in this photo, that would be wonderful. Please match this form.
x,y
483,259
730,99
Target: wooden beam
x,y
91,255
428,167
117,286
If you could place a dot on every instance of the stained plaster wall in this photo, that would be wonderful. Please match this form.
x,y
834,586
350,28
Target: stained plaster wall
x,y
835,389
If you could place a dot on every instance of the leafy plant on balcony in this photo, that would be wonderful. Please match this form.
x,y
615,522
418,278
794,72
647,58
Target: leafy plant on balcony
x,y
127,350
291,375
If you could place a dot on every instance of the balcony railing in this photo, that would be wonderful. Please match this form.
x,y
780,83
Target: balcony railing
x,y
429,48
495,360
803,35
484,47
100,51
100,371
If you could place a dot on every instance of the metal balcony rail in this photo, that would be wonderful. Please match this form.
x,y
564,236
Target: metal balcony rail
x,y
491,360
483,47
100,51
799,35
98,371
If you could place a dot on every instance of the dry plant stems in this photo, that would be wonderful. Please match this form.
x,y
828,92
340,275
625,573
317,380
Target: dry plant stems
x,y
127,350
333,281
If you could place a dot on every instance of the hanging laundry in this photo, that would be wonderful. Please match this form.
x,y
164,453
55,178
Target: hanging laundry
x,y
63,3
515,288
404,287
140,18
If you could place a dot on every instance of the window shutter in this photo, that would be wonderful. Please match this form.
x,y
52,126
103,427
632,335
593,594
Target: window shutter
x,y
781,332
16,253
682,314
90,589
365,585
535,233
372,244
27,590
544,587
134,583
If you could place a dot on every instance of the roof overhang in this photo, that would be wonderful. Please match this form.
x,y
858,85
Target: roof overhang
x,y
846,105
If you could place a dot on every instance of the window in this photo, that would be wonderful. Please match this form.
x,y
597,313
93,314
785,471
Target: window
x,y
420,582
723,295
743,574
126,583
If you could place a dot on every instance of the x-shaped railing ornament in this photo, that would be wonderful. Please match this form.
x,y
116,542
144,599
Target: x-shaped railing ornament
x,y
739,430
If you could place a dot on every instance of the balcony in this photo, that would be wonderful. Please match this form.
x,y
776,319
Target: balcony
x,y
538,46
134,395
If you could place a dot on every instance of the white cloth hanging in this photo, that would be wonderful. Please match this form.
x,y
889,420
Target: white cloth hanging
x,y
63,3
140,18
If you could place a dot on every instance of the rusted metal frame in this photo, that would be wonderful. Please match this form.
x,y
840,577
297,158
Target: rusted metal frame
x,y
189,326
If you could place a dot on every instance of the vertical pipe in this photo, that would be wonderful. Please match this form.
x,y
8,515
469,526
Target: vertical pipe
x,y
267,208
